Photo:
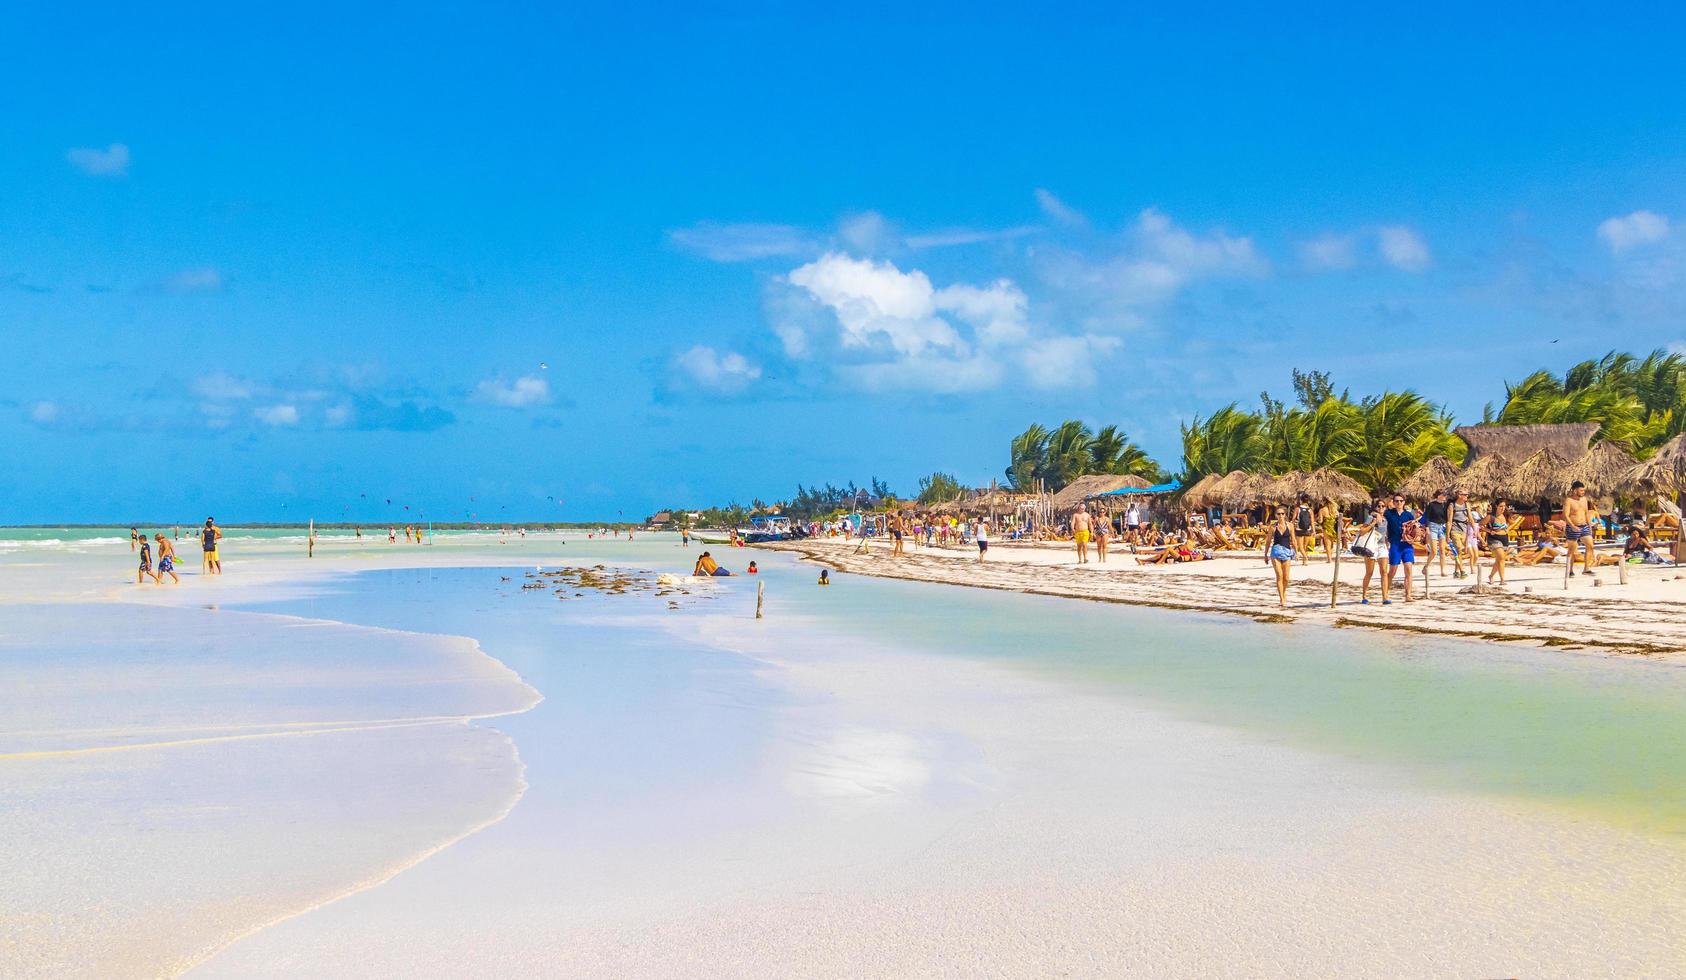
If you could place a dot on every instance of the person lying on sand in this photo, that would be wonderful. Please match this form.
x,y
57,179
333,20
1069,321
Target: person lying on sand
x,y
1547,550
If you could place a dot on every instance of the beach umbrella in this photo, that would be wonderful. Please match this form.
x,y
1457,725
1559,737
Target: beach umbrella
x,y
1664,472
1602,469
1284,489
1334,486
1248,490
1195,496
1540,477
1430,478
1218,493
1488,477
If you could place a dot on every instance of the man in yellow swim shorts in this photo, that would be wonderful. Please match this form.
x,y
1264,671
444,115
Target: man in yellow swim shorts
x,y
1080,527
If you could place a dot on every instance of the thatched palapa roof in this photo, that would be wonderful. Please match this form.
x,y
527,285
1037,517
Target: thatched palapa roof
x,y
1247,491
1284,489
1489,476
1085,487
1540,477
1335,486
1219,492
1430,478
1195,496
1602,470
1568,440
1664,472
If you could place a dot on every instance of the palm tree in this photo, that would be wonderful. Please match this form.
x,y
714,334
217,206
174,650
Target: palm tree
x,y
1640,403
1069,455
1230,439
1028,458
1398,432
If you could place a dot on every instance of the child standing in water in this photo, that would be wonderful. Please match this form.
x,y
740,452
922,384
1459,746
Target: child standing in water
x,y
166,560
145,560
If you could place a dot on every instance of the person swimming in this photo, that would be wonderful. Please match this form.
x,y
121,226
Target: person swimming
x,y
825,576
752,569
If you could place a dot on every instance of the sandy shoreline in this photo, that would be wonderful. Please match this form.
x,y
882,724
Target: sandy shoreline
x,y
1647,616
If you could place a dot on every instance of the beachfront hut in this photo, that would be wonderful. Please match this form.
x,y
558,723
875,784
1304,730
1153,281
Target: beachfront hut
x,y
1329,484
1430,478
1570,440
1602,469
1489,476
1194,497
1084,487
1540,477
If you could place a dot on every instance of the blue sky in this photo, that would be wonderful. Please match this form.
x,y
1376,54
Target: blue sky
x,y
537,263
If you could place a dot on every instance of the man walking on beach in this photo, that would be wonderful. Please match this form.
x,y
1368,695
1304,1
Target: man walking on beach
x,y
897,528
208,539
1399,550
1080,525
1578,515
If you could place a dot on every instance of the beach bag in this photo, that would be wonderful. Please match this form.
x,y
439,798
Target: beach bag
x,y
1364,546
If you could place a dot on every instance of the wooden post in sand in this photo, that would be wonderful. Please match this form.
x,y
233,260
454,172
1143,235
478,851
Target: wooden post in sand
x,y
760,596
1568,559
310,541
1335,582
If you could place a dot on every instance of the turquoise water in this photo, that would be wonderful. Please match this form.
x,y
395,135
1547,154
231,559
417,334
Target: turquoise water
x,y
1599,734
1602,736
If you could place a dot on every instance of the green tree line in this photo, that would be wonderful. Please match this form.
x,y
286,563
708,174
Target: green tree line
x,y
1376,439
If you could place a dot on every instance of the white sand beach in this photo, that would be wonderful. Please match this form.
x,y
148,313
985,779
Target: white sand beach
x,y
344,766
1646,614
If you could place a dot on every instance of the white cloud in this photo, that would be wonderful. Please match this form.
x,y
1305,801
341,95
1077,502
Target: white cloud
x,y
113,161
881,327
1147,266
222,386
876,303
1633,230
708,368
1058,211
1328,252
1403,248
523,392
1066,361
743,242
339,416
44,413
1185,254
277,415
201,280
997,310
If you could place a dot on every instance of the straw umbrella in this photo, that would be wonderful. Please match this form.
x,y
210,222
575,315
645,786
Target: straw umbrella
x,y
1218,493
1195,496
1664,472
1540,477
1250,489
1332,485
1430,478
1284,489
1488,476
1602,469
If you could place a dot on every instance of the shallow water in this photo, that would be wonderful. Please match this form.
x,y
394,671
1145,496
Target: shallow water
x,y
881,744
1602,735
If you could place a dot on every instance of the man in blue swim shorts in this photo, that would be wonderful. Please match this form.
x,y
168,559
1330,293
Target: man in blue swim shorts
x,y
1399,550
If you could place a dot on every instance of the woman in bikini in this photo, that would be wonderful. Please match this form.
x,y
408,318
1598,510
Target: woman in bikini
x,y
1497,527
1328,529
1281,554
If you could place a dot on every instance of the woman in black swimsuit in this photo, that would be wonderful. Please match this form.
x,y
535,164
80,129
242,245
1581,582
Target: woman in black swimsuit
x,y
1498,539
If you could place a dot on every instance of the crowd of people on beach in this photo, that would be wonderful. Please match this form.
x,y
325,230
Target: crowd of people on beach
x,y
1390,536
